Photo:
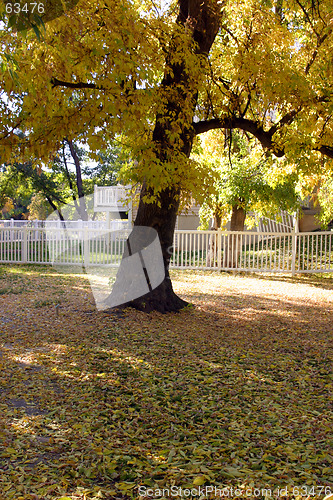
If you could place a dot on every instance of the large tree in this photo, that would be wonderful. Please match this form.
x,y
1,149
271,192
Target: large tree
x,y
161,77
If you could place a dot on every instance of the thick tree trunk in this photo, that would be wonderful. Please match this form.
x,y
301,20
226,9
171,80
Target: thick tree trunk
x,y
173,135
232,252
144,270
163,219
238,216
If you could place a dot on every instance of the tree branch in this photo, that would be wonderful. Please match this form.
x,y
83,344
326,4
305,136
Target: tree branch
x,y
315,53
265,137
59,83
325,150
9,132
127,86
307,17
287,119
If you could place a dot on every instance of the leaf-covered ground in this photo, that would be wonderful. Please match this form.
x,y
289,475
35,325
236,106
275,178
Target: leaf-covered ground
x,y
236,392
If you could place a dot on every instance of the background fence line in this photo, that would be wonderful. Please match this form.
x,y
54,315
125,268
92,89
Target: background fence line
x,y
291,252
70,224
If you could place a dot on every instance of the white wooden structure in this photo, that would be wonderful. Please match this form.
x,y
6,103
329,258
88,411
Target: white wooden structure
x,y
113,200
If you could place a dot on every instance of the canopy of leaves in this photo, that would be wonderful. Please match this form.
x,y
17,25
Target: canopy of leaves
x,y
325,199
97,71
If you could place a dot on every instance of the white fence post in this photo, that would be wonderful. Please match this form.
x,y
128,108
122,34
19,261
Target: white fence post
x,y
219,249
24,256
293,250
86,245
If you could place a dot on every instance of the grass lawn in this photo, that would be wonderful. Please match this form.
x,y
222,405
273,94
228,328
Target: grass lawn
x,y
236,392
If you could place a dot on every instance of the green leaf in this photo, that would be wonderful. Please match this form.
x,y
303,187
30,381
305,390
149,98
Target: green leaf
x,y
171,455
11,21
36,30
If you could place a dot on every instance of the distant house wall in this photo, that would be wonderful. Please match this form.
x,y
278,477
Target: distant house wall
x,y
188,222
308,222
188,219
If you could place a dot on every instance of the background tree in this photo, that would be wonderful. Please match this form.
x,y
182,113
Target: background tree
x,y
103,167
318,189
244,179
7,207
72,174
66,178
21,181
325,199
38,208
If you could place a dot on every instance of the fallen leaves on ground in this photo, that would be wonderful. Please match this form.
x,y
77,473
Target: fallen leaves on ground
x,y
236,392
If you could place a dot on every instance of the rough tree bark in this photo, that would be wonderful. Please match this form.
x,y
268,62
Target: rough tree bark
x,y
237,218
163,220
200,18
232,251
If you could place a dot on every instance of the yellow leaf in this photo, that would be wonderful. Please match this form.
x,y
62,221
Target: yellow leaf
x,y
10,450
199,480
125,486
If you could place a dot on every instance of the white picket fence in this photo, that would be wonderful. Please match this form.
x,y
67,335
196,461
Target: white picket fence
x,y
68,224
220,250
291,252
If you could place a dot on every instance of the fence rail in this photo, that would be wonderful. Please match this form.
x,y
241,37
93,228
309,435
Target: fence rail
x,y
68,224
220,250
